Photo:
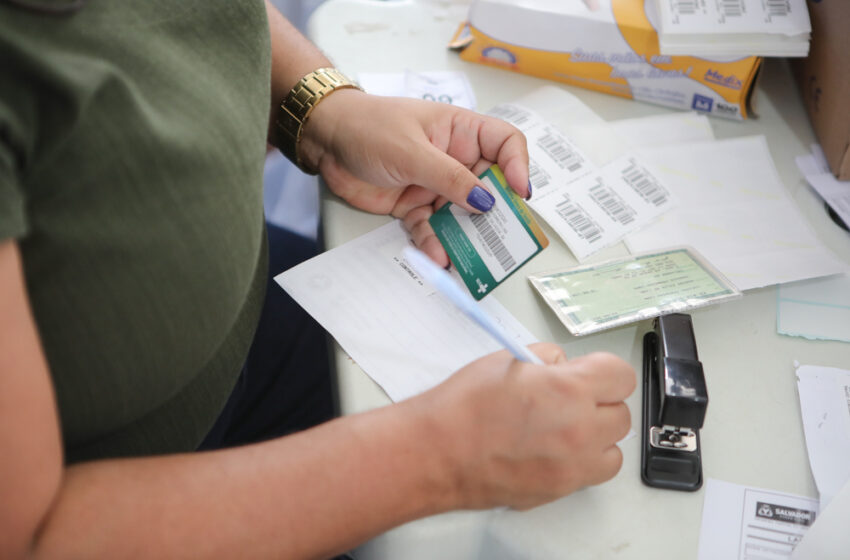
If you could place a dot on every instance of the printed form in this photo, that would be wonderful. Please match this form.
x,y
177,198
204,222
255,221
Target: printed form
x,y
405,335
745,523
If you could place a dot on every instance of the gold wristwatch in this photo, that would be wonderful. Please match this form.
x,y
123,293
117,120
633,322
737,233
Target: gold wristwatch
x,y
296,108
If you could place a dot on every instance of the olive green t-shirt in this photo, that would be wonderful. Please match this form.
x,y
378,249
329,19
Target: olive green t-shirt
x,y
132,139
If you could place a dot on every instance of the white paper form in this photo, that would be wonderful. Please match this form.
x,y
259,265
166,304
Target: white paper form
x,y
825,407
403,334
815,169
828,538
734,210
817,309
745,523
442,86
590,206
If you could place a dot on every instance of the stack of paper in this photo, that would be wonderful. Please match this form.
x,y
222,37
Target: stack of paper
x,y
733,27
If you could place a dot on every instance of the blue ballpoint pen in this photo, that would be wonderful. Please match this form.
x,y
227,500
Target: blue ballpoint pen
x,y
443,283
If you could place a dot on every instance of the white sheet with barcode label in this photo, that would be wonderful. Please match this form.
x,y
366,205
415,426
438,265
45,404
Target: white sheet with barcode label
x,y
600,208
788,17
499,238
518,115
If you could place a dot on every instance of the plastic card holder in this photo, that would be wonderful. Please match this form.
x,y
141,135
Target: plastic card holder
x,y
599,296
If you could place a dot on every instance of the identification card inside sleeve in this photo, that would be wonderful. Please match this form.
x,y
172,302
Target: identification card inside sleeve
x,y
595,297
487,248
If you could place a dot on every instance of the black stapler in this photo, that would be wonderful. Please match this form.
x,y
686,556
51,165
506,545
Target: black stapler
x,y
674,404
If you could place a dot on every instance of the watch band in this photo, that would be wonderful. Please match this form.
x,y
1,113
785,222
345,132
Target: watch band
x,y
299,103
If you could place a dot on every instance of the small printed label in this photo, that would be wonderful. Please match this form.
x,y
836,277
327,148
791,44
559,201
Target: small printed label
x,y
702,103
787,514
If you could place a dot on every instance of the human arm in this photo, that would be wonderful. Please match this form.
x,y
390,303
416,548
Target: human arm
x,y
499,432
391,155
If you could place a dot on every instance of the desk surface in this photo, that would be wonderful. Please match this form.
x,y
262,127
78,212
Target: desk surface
x,y
752,435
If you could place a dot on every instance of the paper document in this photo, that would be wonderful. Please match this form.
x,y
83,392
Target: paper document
x,y
442,86
734,210
828,538
745,523
825,407
404,335
604,295
818,309
834,192
734,27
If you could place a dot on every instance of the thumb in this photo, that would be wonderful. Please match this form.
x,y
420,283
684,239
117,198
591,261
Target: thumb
x,y
442,174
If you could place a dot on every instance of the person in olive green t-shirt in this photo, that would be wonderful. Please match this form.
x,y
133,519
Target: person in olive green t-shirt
x,y
133,263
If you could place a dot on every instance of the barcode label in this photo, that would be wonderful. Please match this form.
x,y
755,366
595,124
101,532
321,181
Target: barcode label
x,y
684,7
560,152
538,176
517,116
644,184
778,7
731,8
579,220
612,203
493,242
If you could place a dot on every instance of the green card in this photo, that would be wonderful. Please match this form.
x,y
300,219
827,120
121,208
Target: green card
x,y
487,248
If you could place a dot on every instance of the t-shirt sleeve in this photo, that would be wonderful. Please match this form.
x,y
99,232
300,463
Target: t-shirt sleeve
x,y
13,221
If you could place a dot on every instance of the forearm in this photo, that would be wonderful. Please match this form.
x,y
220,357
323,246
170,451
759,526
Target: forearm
x,y
293,55
308,495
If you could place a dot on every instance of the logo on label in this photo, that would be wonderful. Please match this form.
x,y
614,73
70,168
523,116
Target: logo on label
x,y
482,286
726,109
702,103
786,514
715,77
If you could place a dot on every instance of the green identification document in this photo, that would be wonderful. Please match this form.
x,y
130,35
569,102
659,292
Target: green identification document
x,y
487,248
594,297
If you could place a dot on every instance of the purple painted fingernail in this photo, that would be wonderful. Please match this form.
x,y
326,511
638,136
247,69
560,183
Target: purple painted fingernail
x,y
529,191
480,199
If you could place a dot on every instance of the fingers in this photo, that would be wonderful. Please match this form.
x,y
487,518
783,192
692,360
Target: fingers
x,y
548,352
612,422
608,464
506,145
448,177
416,222
610,378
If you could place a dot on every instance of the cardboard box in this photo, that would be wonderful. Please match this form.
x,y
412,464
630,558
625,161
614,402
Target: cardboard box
x,y
605,45
824,79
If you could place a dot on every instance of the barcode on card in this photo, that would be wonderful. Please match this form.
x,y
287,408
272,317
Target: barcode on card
x,y
731,8
644,184
579,221
493,242
537,176
560,152
684,7
778,7
517,116
612,203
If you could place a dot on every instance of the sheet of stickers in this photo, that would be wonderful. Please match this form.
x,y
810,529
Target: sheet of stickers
x,y
589,206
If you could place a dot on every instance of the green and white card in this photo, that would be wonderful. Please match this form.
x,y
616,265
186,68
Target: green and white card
x,y
487,248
